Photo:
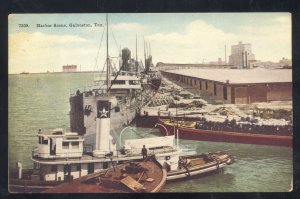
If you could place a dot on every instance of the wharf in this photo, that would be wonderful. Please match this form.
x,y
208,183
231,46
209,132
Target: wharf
x,y
192,107
173,101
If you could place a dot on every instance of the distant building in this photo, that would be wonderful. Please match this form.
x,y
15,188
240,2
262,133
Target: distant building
x,y
241,55
252,63
70,68
219,62
284,62
172,66
268,64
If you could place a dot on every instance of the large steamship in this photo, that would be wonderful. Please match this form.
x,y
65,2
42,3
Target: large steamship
x,y
129,88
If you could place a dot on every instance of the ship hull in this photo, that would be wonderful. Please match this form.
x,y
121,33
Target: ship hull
x,y
230,137
200,165
27,185
84,122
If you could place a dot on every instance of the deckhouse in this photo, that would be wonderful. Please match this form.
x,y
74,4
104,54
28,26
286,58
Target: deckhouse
x,y
57,144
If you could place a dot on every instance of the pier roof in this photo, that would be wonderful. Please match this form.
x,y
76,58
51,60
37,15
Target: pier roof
x,y
238,76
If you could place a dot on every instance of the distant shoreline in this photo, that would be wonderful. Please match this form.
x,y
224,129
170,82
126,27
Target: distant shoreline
x,y
53,73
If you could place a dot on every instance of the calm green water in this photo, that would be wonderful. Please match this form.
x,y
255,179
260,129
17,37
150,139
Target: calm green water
x,y
42,101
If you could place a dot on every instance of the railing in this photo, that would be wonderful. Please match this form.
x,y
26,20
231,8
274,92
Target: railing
x,y
87,88
35,154
123,130
137,151
117,154
158,124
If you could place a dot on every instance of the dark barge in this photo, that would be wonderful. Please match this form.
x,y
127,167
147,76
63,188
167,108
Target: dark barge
x,y
188,130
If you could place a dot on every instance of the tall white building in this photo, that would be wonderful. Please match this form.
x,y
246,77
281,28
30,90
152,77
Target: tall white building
x,y
241,55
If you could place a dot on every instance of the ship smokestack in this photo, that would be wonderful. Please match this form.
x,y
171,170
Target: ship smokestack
x,y
126,56
102,129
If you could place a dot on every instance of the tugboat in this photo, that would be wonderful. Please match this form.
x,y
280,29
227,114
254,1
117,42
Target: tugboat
x,y
130,177
63,156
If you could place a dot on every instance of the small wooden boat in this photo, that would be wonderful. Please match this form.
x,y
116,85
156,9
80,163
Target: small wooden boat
x,y
195,165
137,177
187,130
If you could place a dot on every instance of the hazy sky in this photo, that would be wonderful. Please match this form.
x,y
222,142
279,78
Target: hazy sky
x,y
176,38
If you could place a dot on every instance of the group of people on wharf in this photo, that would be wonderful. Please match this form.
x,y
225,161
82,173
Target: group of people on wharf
x,y
244,126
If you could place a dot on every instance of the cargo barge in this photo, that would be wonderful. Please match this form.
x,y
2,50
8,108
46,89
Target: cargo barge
x,y
188,130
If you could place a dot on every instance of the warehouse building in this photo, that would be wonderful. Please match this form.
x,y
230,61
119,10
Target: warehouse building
x,y
235,86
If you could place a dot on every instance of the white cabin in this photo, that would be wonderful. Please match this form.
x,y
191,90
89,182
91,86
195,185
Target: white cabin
x,y
57,144
125,80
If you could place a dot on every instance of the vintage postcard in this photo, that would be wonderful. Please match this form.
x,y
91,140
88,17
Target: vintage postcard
x,y
150,102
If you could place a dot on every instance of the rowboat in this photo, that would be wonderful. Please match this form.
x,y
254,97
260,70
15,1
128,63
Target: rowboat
x,y
196,165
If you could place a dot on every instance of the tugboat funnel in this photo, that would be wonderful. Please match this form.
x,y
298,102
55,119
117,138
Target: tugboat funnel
x,y
102,129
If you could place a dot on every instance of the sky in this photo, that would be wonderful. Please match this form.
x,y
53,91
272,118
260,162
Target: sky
x,y
172,37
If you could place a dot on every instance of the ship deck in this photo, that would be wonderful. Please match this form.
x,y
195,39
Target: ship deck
x,y
88,158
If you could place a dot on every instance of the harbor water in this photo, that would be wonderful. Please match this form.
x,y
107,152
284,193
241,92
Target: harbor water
x,y
41,101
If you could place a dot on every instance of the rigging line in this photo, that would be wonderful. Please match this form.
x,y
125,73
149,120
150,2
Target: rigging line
x,y
112,82
119,49
104,65
99,49
114,66
146,132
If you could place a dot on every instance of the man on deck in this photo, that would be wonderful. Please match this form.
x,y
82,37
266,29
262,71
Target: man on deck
x,y
144,152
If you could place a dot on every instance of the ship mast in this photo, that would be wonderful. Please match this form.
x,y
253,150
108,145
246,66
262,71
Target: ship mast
x,y
107,58
144,52
136,57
